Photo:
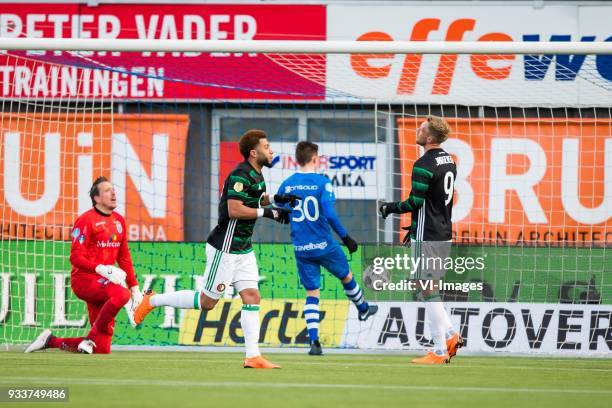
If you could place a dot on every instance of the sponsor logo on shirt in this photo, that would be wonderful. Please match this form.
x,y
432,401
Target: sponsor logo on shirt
x,y
77,236
311,246
289,189
108,244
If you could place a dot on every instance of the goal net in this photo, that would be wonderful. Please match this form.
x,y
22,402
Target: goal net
x,y
531,137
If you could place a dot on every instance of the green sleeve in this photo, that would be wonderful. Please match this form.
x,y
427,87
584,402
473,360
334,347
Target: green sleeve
x,y
421,178
237,187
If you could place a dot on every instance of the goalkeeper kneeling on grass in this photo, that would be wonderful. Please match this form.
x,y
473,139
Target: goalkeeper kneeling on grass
x,y
431,205
99,241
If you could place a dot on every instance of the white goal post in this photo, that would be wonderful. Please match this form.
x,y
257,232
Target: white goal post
x,y
308,47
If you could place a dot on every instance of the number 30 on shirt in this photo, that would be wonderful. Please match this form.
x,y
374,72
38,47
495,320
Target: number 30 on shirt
x,y
307,211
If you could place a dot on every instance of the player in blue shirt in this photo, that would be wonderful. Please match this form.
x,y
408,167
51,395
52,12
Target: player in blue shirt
x,y
311,217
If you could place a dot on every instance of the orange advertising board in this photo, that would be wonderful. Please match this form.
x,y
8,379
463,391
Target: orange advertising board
x,y
49,162
532,181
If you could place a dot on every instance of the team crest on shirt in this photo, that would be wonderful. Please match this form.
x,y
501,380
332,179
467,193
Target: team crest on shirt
x,y
119,227
238,186
75,233
220,287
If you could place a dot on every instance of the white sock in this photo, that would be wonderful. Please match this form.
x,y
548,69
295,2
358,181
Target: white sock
x,y
435,315
182,299
249,319
448,326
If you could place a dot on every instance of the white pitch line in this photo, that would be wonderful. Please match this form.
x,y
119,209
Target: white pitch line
x,y
403,363
209,384
455,366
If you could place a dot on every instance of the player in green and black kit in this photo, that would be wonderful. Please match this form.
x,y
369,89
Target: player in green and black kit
x,y
431,205
229,253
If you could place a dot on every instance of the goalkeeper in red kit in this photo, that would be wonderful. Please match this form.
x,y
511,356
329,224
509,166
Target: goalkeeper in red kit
x,y
98,242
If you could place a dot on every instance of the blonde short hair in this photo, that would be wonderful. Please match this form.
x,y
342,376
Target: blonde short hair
x,y
438,128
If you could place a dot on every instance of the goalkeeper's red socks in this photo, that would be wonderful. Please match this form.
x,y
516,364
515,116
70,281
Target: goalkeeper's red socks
x,y
103,343
64,343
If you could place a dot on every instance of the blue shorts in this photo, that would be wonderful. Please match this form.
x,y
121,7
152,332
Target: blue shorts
x,y
309,268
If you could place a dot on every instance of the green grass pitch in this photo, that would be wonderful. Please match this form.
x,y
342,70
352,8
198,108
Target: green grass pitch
x,y
196,379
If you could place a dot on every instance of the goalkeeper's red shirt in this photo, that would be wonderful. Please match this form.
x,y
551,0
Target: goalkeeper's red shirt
x,y
99,238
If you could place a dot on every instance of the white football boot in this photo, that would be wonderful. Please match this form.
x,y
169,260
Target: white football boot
x,y
40,343
86,346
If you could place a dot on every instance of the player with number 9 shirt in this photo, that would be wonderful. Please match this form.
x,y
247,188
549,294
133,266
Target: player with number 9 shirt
x,y
431,204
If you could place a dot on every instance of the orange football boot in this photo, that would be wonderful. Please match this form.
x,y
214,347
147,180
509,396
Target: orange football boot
x,y
144,308
258,362
432,358
454,343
